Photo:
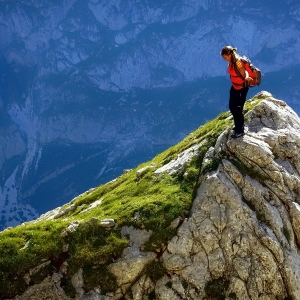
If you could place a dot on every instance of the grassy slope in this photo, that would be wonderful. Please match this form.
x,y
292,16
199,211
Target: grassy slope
x,y
159,200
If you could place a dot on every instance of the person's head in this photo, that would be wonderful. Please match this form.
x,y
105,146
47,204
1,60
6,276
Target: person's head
x,y
228,53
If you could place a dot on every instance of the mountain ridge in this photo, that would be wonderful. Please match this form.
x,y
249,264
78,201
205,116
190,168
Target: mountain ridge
x,y
211,217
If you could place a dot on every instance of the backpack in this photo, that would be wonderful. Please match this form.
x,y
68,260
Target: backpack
x,y
253,72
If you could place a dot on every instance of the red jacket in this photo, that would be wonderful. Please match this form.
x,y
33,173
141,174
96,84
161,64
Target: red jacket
x,y
237,82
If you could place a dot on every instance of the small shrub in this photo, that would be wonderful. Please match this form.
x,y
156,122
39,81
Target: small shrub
x,y
224,115
67,286
94,246
155,270
211,165
11,286
99,276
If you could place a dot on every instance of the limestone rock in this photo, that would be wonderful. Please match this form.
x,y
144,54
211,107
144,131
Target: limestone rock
x,y
142,288
77,282
93,205
137,237
176,165
127,269
243,226
49,288
108,223
70,229
133,261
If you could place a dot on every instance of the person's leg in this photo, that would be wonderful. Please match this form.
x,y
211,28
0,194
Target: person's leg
x,y
236,105
236,108
243,95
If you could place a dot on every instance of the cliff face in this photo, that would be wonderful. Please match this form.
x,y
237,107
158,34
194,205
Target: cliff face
x,y
243,231
238,240
96,87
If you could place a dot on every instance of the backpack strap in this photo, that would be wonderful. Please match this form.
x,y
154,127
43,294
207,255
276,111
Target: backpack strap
x,y
245,84
237,71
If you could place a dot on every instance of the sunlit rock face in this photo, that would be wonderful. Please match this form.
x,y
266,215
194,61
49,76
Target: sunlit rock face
x,y
91,88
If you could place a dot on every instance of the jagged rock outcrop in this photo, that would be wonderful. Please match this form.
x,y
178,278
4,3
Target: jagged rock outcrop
x,y
241,239
243,228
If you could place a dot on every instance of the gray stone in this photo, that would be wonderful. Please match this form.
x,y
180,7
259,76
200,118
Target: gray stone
x,y
93,205
177,164
108,223
127,270
77,282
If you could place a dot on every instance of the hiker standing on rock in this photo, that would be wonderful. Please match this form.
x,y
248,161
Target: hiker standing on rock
x,y
239,89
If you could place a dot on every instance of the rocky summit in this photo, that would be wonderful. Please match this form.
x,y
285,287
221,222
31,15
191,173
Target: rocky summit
x,y
211,218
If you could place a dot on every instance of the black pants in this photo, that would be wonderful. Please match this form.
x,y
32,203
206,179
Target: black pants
x,y
237,100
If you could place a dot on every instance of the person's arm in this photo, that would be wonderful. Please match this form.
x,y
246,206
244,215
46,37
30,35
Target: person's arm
x,y
242,70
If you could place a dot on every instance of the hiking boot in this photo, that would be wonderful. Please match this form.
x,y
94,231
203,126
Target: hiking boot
x,y
234,128
237,135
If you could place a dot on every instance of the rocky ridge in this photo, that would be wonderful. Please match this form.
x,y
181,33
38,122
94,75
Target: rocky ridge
x,y
241,237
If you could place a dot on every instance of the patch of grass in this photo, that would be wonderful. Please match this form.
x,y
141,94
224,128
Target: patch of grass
x,y
99,276
159,238
44,242
224,115
217,288
67,286
249,105
93,246
246,118
211,165
192,174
